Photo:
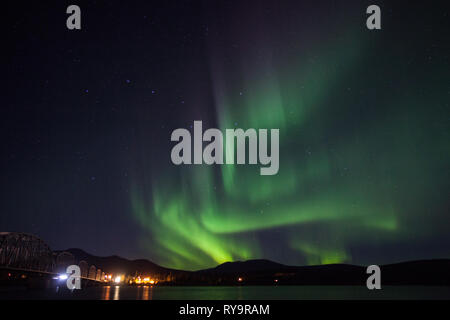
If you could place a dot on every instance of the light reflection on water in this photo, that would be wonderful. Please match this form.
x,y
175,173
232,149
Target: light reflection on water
x,y
116,293
142,292
262,293
229,293
148,293
105,293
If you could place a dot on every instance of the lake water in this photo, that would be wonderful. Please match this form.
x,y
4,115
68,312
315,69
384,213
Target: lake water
x,y
231,293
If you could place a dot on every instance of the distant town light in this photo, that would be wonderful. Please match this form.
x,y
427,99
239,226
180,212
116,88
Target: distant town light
x,y
118,279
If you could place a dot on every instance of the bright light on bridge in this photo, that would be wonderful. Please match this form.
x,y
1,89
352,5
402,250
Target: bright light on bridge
x,y
63,276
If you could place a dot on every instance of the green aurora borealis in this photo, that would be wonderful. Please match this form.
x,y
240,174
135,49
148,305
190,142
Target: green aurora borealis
x,y
363,118
364,152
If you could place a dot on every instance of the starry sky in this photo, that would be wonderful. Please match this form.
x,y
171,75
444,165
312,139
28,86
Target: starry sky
x,y
86,119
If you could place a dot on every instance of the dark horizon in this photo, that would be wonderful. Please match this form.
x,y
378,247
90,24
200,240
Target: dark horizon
x,y
253,260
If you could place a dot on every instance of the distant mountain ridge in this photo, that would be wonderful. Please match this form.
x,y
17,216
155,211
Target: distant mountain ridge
x,y
247,266
116,264
261,271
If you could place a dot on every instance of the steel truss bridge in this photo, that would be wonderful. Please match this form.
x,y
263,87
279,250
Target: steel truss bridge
x,y
25,256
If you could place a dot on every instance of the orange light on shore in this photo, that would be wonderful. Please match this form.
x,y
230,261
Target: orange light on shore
x,y
240,279
146,280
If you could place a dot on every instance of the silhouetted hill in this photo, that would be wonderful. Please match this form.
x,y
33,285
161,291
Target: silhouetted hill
x,y
422,272
425,272
269,272
116,264
247,266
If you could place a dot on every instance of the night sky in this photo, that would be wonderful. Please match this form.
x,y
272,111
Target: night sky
x,y
364,119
